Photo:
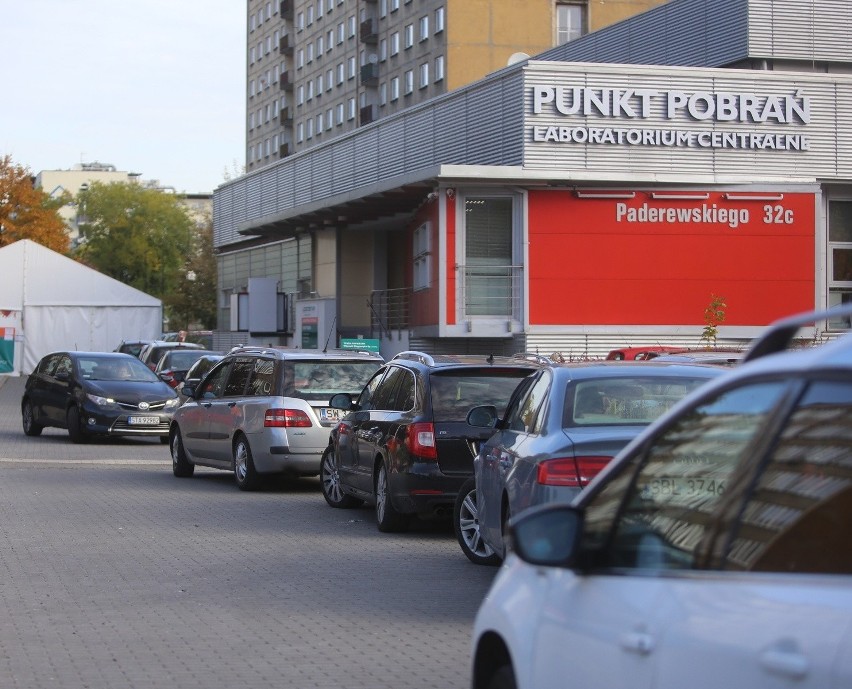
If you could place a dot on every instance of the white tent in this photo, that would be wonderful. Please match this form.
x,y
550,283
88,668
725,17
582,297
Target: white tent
x,y
49,302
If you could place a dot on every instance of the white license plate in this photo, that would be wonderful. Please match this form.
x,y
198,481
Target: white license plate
x,y
143,420
331,414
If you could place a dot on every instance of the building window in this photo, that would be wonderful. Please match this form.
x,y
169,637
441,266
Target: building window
x,y
409,81
329,80
310,52
570,22
340,74
329,119
839,263
409,35
439,68
300,95
421,251
320,46
424,28
300,132
320,8
488,256
300,58
252,55
394,41
424,75
439,20
352,26
310,124
320,124
300,21
340,113
341,31
352,67
383,49
310,14
394,5
383,8
394,88
319,85
329,41
383,93
351,109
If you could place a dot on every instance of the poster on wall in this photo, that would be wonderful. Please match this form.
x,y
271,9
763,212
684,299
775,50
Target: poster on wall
x,y
7,349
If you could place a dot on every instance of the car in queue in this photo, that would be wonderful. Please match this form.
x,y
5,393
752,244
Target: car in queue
x,y
264,411
174,364
96,394
714,551
154,351
196,372
563,425
405,445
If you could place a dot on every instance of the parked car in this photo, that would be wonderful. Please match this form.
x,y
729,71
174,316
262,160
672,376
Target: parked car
x,y
718,357
196,372
714,551
563,425
642,353
406,445
132,347
264,411
96,394
153,351
174,363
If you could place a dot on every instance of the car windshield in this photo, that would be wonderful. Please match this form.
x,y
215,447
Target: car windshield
x,y
624,401
113,368
182,360
324,377
456,393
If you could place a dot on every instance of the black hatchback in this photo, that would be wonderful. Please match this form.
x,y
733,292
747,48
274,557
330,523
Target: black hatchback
x,y
406,445
97,394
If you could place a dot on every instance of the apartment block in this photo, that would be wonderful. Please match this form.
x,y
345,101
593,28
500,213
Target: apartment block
x,y
317,69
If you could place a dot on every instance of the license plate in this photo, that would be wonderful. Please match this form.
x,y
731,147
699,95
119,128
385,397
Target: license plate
x,y
331,415
143,420
685,488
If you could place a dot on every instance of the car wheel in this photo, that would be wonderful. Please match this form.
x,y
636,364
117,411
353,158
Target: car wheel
x,y
387,518
75,426
244,472
181,466
503,678
330,482
466,524
28,420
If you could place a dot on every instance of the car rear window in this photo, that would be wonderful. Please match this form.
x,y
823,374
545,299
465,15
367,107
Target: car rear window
x,y
321,378
455,393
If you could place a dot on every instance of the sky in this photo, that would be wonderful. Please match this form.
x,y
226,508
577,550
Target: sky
x,y
155,87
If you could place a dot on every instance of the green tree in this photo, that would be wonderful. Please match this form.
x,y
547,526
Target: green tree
x,y
194,306
140,236
714,315
27,212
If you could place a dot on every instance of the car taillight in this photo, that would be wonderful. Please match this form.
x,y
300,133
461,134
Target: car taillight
x,y
286,418
573,472
421,440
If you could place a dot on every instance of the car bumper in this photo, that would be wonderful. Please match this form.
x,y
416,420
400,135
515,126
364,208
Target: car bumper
x,y
95,421
424,492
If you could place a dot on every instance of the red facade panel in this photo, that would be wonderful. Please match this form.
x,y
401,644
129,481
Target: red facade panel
x,y
658,258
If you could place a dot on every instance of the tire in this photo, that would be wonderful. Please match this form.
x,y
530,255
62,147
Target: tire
x,y
75,427
387,518
245,474
330,482
31,428
503,678
466,525
181,466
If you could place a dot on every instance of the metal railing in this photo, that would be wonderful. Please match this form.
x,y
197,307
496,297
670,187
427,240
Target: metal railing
x,y
491,291
389,310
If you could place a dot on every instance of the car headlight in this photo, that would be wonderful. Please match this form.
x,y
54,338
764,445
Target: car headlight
x,y
101,401
171,404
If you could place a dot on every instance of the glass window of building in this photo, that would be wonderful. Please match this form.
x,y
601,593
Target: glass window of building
x,y
351,109
383,49
383,93
409,81
394,88
340,113
424,27
300,132
424,75
439,68
329,80
394,43
300,21
310,55
351,22
570,22
341,31
409,35
310,12
421,252
300,95
300,58
439,20
383,8
394,5
340,73
320,46
329,40
839,263
352,66
329,119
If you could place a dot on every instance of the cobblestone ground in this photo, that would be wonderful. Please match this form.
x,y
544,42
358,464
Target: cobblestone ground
x,y
114,573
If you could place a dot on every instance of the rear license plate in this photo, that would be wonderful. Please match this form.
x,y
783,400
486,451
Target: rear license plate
x,y
143,420
331,415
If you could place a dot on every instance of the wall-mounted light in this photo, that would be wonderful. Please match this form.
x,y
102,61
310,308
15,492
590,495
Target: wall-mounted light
x,y
674,196
754,197
603,194
451,193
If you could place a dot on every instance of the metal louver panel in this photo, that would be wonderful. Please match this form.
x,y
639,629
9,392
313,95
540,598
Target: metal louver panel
x,y
392,146
451,122
366,160
419,139
322,172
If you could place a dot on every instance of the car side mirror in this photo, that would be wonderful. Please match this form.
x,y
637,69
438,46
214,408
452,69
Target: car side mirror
x,y
341,400
548,536
63,376
483,417
188,389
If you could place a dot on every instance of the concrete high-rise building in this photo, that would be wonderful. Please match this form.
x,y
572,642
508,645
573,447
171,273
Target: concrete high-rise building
x,y
320,68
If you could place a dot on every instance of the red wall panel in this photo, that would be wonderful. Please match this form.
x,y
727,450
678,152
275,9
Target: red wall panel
x,y
646,261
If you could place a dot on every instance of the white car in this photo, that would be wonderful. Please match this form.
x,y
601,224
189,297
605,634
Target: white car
x,y
714,551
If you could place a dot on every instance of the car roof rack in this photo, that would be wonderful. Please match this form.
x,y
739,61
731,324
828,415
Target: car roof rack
x,y
422,357
781,332
533,356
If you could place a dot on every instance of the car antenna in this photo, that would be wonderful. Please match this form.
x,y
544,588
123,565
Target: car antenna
x,y
330,331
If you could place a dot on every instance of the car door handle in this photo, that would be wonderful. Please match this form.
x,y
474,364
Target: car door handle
x,y
637,642
786,659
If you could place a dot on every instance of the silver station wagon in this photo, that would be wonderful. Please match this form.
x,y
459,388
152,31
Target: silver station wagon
x,y
264,411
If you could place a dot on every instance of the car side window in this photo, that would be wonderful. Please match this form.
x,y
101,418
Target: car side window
x,y
238,379
799,517
404,399
386,392
214,384
663,512
63,366
262,382
48,365
365,399
527,417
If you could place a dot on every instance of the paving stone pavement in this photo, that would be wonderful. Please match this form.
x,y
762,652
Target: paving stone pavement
x,y
114,573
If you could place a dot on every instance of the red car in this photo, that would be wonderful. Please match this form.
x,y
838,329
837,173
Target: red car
x,y
642,353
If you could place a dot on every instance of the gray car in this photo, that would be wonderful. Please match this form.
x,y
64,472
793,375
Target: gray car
x,y
561,428
264,411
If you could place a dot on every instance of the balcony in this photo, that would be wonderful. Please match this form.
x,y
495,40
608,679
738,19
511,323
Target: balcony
x,y
370,74
369,33
285,82
285,117
284,150
367,114
286,9
285,46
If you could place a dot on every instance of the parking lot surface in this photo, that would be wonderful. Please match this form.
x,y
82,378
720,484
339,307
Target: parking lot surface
x,y
114,573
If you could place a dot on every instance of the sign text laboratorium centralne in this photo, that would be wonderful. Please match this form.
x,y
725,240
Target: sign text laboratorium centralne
x,y
629,106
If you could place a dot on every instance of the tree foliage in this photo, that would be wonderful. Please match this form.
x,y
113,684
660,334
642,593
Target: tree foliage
x,y
140,236
27,212
194,306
